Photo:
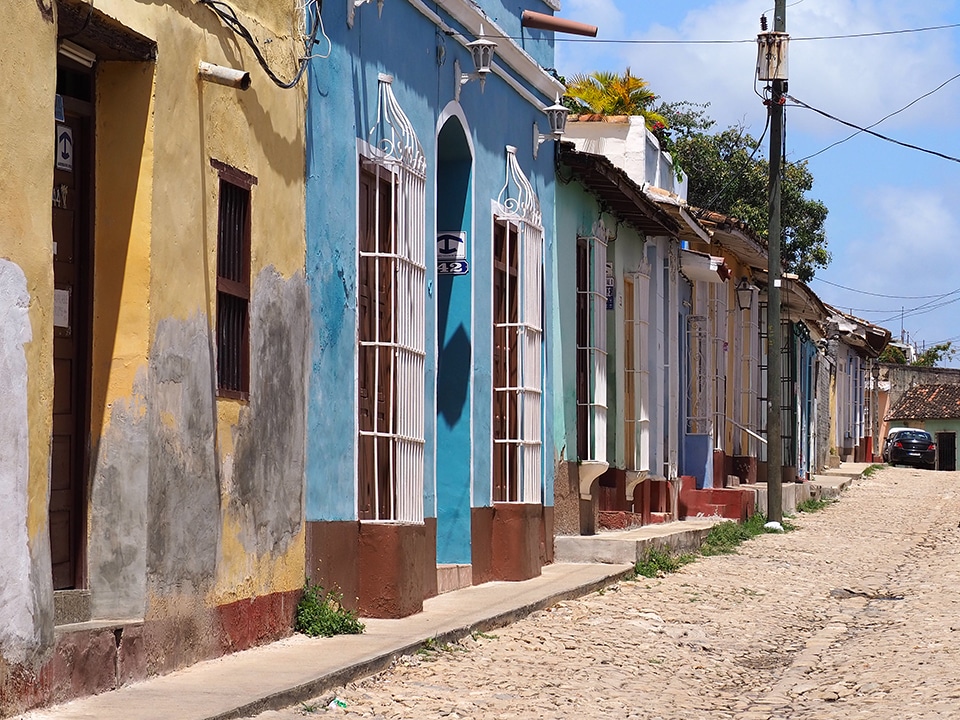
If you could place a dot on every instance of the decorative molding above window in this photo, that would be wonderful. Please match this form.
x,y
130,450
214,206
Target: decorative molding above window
x,y
517,196
352,6
393,136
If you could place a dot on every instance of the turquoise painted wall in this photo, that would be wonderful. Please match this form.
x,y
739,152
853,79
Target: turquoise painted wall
x,y
342,108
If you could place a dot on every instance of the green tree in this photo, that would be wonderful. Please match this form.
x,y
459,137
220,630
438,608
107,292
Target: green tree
x,y
728,174
610,93
894,355
934,354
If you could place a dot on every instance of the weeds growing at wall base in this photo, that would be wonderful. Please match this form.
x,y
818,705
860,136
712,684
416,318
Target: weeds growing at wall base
x,y
321,614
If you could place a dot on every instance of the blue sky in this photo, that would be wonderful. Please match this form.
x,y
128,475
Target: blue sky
x,y
894,212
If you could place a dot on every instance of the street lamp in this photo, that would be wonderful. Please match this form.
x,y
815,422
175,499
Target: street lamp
x,y
481,52
745,293
557,118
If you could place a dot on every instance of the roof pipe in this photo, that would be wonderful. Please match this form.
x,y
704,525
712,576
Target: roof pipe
x,y
542,21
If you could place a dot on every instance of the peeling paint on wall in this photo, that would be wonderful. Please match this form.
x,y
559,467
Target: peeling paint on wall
x,y
16,595
118,515
269,441
183,498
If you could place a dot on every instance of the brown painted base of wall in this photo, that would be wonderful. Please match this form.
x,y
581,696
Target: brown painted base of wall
x,y
611,489
382,569
546,535
91,658
516,541
719,468
510,541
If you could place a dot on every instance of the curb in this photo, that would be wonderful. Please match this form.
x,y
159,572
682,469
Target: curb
x,y
306,691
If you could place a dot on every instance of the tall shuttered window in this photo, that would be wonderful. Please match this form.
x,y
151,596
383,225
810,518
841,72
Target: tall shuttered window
x,y
233,281
391,333
591,349
517,340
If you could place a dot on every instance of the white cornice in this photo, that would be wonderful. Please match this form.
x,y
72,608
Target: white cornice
x,y
468,15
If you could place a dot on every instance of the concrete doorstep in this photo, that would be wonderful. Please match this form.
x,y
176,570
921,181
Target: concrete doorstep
x,y
298,668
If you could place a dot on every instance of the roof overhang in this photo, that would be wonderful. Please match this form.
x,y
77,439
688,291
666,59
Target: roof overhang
x,y
690,229
798,302
617,193
866,337
698,266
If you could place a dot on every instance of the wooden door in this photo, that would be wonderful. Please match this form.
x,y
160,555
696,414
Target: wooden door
x,y
71,200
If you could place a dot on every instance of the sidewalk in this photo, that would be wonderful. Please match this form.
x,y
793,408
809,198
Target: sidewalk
x,y
298,668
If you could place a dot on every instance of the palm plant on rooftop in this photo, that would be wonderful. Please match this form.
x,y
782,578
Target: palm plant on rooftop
x,y
609,93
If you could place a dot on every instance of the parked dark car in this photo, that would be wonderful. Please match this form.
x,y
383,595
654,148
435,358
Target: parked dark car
x,y
912,447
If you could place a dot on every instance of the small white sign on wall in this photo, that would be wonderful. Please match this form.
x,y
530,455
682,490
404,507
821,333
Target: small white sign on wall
x,y
64,148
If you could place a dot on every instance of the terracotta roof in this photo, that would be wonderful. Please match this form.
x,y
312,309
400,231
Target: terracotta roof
x,y
927,402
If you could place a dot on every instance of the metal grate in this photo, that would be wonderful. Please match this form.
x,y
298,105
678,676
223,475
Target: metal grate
x,y
518,314
392,331
233,288
591,348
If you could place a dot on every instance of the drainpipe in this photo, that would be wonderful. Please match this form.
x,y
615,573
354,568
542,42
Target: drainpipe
x,y
542,21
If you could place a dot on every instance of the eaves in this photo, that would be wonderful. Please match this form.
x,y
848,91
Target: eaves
x,y
471,17
617,193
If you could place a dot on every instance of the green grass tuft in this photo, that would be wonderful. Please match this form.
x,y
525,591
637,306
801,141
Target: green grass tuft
x,y
657,563
321,614
813,505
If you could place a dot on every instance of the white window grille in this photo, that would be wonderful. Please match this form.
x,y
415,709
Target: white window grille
x,y
517,339
591,348
391,333
700,388
637,369
749,382
717,369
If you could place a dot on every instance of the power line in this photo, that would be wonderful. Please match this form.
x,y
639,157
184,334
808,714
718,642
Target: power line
x,y
885,117
800,103
849,36
888,297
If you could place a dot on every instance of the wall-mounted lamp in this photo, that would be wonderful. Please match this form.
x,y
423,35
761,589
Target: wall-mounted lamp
x,y
557,117
239,79
352,6
76,53
745,293
481,51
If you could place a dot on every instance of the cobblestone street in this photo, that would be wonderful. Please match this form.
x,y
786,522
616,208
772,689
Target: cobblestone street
x,y
855,614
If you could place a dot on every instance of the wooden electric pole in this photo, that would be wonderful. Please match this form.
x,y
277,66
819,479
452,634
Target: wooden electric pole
x,y
774,276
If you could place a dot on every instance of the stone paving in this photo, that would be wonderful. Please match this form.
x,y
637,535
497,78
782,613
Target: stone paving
x,y
855,614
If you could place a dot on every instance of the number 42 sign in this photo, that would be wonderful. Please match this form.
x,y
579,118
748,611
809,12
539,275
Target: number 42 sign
x,y
452,253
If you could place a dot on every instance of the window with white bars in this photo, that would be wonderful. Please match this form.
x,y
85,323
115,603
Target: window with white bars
x,y
748,367
391,275
591,349
718,365
700,409
517,339
636,365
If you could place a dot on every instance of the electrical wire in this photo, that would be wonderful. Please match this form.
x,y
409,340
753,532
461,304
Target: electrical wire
x,y
229,18
800,103
881,295
885,117
850,36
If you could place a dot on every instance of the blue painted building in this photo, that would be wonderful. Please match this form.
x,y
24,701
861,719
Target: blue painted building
x,y
429,232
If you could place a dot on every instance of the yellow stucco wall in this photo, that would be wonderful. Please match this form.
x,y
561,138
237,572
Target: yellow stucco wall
x,y
170,232
157,127
28,77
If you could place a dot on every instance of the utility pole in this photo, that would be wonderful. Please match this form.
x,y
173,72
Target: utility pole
x,y
774,273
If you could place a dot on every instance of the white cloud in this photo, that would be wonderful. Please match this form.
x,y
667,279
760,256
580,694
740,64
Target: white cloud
x,y
859,80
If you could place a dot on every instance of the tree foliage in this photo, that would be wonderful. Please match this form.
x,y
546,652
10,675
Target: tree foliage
x,y
729,174
610,93
934,355
931,357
